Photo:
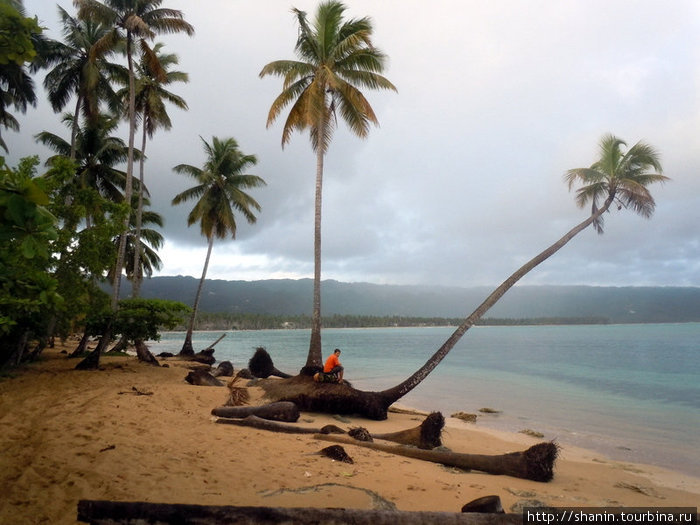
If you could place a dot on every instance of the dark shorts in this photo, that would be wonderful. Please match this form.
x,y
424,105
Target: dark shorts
x,y
335,370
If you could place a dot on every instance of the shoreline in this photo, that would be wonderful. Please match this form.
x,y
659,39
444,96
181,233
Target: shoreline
x,y
70,435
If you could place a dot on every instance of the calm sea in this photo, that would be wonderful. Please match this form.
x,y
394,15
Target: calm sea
x,y
631,392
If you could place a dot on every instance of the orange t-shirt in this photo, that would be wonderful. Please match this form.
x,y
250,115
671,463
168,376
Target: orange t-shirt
x,y
331,363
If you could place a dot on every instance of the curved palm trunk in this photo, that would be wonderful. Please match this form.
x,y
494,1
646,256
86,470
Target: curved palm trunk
x,y
314,360
138,274
187,345
400,390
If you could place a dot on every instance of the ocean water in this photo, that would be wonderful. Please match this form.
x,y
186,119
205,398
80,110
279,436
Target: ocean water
x,y
631,392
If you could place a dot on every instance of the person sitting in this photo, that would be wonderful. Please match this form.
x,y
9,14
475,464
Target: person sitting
x,y
333,366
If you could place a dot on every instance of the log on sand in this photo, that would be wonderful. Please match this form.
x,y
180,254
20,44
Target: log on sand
x,y
280,411
275,426
202,378
535,463
99,512
427,435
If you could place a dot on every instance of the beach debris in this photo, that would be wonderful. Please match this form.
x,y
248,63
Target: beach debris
x,y
536,463
530,432
427,435
238,395
276,426
137,391
108,447
202,378
261,365
646,491
465,416
487,410
278,411
337,453
225,368
384,512
485,505
360,434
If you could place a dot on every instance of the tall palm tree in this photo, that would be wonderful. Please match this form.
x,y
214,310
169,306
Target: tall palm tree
x,y
151,97
619,178
335,57
219,191
132,22
80,72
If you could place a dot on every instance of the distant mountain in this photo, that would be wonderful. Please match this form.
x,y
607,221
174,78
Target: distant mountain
x,y
293,297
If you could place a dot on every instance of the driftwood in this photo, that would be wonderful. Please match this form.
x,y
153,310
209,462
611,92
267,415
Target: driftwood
x,y
99,512
202,378
427,435
225,368
484,504
535,463
337,453
214,343
275,426
280,411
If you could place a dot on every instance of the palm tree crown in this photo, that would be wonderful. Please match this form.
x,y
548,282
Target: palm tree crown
x,y
618,176
219,189
335,57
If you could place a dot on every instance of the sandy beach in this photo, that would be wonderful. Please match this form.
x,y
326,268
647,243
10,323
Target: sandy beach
x,y
69,435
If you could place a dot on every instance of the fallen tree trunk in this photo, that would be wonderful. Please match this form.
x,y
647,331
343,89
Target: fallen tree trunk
x,y
100,512
214,343
535,463
427,435
280,411
202,378
275,426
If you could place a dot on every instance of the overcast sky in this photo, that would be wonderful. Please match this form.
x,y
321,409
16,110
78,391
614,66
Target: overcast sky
x,y
463,180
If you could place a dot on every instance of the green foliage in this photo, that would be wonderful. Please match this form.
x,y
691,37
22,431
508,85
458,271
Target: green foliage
x,y
141,319
28,293
16,31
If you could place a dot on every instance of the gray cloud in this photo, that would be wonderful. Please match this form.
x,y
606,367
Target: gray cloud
x,y
462,182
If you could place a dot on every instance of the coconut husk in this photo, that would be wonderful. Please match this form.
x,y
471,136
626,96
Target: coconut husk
x,y
337,453
360,434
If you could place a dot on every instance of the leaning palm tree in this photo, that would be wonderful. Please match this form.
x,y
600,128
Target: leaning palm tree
x,y
219,192
151,97
132,22
617,179
335,57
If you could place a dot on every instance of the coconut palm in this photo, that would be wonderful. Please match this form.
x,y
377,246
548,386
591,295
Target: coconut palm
x,y
151,97
80,72
97,153
335,57
219,191
132,22
618,178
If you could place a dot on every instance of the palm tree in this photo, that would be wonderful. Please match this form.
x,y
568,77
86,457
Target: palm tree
x,y
219,191
617,178
96,154
151,97
132,21
335,56
80,72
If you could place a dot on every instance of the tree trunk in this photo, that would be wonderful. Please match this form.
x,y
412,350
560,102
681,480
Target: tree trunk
x,y
254,421
116,283
100,512
535,463
314,361
92,360
187,345
280,411
76,125
137,278
400,390
82,345
144,354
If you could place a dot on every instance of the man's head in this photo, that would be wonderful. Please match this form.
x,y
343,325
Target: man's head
x,y
336,351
